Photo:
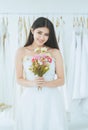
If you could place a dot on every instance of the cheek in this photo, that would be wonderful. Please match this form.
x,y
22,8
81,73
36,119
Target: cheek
x,y
35,36
47,38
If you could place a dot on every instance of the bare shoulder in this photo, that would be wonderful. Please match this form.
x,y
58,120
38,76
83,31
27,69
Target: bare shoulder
x,y
20,52
56,53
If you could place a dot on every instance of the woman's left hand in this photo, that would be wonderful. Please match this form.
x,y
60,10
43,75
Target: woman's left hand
x,y
40,81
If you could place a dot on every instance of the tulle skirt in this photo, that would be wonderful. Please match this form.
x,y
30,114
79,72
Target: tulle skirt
x,y
41,110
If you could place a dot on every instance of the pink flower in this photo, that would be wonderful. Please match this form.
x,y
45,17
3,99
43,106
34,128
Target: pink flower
x,y
33,59
50,59
40,64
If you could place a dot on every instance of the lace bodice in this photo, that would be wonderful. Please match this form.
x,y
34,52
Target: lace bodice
x,y
49,75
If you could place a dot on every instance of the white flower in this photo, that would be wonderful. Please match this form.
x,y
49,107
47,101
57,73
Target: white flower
x,y
40,62
43,49
48,54
37,49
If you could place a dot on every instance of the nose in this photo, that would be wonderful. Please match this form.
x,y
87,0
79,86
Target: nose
x,y
42,37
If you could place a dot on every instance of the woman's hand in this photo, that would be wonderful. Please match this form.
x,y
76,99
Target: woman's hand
x,y
39,81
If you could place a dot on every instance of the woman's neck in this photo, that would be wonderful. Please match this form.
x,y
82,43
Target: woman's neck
x,y
36,46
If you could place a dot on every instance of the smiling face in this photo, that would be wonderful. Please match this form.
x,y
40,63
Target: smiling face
x,y
41,35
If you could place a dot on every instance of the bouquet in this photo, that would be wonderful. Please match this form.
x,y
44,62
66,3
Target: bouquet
x,y
41,62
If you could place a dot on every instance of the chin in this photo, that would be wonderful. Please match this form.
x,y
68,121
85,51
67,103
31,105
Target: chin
x,y
40,44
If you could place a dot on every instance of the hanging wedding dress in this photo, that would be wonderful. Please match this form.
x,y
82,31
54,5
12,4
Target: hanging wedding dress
x,y
77,62
71,69
77,74
40,109
84,66
3,58
84,74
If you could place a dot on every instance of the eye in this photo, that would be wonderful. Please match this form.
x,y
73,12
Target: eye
x,y
39,32
46,34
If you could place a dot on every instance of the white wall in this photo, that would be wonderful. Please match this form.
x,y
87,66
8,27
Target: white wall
x,y
39,6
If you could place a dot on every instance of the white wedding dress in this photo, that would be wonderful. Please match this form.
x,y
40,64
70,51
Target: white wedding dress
x,y
40,109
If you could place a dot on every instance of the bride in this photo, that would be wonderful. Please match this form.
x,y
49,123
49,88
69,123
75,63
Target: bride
x,y
40,109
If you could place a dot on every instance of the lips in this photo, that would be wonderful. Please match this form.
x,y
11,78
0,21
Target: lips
x,y
41,41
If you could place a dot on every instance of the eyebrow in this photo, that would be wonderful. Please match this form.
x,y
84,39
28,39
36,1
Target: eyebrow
x,y
42,32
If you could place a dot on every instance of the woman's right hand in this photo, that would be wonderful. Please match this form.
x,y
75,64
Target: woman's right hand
x,y
39,81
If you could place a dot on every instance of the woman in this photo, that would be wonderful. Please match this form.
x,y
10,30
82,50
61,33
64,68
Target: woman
x,y
40,109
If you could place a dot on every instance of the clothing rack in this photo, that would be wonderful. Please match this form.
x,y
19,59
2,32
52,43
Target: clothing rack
x,y
43,13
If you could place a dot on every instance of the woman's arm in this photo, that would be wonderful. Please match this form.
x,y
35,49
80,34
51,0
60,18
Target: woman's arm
x,y
59,71
19,69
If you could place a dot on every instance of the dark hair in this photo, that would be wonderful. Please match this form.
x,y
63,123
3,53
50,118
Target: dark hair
x,y
44,22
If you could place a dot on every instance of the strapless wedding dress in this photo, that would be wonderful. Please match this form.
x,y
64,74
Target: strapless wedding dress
x,y
40,109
